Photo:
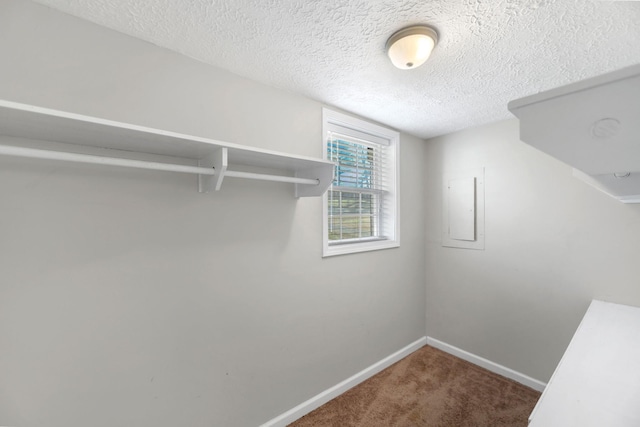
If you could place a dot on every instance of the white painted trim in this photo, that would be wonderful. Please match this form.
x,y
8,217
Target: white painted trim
x,y
488,365
375,134
320,399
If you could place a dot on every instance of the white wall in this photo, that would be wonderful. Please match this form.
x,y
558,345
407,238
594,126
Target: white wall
x,y
552,244
128,298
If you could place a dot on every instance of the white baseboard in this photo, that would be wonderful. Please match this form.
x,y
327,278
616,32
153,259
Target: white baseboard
x,y
487,364
315,402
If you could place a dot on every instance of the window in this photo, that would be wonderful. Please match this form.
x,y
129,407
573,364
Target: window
x,y
361,206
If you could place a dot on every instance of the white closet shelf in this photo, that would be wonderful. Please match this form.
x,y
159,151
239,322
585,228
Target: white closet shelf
x,y
597,382
311,176
591,125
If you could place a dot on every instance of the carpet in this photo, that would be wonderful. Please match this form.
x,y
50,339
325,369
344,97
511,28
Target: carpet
x,y
428,388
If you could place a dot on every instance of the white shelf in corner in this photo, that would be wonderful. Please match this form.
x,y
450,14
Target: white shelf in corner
x,y
597,382
311,176
591,125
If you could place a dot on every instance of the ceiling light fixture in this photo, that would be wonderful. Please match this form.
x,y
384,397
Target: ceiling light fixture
x,y
410,47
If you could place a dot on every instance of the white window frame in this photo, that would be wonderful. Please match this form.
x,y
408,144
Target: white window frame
x,y
332,121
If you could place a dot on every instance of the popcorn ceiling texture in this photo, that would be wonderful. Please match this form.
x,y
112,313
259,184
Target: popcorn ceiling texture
x,y
490,51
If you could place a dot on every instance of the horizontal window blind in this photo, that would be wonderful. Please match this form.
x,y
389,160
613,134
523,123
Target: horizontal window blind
x,y
356,199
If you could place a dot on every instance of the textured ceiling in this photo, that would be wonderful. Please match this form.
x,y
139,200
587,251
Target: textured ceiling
x,y
490,51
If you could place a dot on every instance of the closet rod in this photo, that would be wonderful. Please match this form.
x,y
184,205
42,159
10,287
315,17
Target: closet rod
x,y
140,164
276,178
99,160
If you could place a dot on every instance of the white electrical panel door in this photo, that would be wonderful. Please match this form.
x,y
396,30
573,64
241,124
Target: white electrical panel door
x,y
463,209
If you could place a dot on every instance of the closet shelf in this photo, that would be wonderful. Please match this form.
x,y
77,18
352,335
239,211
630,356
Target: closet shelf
x,y
310,176
591,125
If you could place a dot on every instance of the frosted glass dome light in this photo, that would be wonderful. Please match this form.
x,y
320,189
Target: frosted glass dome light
x,y
411,47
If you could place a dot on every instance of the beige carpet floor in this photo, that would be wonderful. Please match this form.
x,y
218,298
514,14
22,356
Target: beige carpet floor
x,y
428,388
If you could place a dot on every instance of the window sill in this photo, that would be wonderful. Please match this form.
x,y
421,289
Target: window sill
x,y
352,248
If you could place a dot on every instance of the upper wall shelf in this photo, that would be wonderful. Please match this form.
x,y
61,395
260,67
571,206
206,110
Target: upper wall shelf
x,y
591,125
311,176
